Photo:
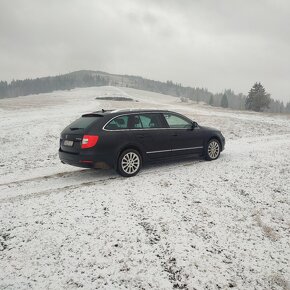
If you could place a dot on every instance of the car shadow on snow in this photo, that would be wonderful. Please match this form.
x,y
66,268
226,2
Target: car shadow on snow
x,y
178,162
148,167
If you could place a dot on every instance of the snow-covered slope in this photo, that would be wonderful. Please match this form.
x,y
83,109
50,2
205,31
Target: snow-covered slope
x,y
188,224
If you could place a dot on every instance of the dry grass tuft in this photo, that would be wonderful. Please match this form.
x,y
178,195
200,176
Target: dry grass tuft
x,y
267,230
280,281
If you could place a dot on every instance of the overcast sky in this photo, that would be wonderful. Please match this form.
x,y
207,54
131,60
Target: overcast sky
x,y
214,44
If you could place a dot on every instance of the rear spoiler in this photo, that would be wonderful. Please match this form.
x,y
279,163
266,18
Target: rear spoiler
x,y
97,113
92,115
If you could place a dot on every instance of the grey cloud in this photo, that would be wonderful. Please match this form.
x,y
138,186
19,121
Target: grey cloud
x,y
215,44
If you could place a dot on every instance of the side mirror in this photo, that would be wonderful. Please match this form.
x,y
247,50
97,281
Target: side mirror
x,y
194,125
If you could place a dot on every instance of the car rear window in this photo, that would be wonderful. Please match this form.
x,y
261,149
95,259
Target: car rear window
x,y
83,122
118,123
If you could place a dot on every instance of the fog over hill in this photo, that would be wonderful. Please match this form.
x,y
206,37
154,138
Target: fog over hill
x,y
90,78
214,44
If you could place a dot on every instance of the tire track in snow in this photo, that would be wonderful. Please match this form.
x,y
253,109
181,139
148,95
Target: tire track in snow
x,y
54,190
85,183
59,174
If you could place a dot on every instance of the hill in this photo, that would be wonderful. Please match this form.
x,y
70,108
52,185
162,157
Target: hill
x,y
90,78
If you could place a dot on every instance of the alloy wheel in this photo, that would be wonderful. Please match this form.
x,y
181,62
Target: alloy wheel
x,y
130,163
213,149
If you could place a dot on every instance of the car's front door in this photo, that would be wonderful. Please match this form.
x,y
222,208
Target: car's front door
x,y
183,137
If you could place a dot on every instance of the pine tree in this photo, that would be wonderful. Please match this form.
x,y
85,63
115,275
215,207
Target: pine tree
x,y
287,107
224,101
3,89
211,100
257,99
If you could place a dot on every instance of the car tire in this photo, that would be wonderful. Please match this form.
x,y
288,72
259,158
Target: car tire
x,y
129,163
213,150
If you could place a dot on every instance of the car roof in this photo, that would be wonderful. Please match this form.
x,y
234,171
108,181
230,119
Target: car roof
x,y
123,111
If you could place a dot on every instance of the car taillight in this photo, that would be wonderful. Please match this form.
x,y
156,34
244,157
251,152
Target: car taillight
x,y
89,141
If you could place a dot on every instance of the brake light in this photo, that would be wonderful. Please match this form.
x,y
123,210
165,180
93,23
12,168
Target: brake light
x,y
89,141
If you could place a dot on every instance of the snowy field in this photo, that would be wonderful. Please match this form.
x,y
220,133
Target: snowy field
x,y
188,224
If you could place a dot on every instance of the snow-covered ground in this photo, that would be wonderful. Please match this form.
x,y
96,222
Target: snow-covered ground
x,y
188,224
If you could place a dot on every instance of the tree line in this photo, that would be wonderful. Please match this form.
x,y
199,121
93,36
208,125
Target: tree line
x,y
48,84
257,99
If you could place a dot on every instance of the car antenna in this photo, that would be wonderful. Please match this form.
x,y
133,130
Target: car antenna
x,y
103,110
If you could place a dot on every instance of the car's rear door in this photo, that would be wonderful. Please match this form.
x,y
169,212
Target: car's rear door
x,y
183,138
149,131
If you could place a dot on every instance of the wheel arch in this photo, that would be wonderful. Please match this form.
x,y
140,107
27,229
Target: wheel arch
x,y
211,137
126,147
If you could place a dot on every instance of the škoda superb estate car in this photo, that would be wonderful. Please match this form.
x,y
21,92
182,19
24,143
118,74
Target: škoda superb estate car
x,y
126,139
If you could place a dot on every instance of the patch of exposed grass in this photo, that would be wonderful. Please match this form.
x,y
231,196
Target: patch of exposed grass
x,y
278,280
116,99
267,230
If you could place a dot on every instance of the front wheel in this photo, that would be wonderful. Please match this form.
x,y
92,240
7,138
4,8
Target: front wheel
x,y
213,150
129,163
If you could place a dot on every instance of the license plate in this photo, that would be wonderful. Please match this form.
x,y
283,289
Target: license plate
x,y
68,143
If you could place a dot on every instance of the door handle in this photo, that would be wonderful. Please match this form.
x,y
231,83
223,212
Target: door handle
x,y
175,134
140,136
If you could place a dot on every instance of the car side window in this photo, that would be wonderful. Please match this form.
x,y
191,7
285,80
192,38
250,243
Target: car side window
x,y
134,122
175,121
118,123
150,121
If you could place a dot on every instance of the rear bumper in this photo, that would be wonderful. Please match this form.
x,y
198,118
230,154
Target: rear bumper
x,y
86,159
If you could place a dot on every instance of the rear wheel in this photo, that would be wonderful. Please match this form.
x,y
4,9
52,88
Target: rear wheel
x,y
129,163
213,150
